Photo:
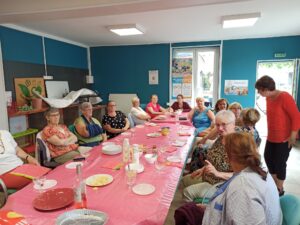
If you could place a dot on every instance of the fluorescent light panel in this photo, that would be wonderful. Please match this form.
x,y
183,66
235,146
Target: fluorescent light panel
x,y
126,29
244,20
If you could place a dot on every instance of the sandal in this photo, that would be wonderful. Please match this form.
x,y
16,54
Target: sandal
x,y
280,192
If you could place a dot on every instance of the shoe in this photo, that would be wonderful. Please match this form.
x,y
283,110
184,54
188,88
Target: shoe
x,y
280,192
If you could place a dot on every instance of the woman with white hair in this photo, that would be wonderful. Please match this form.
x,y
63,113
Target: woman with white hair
x,y
88,129
217,168
138,115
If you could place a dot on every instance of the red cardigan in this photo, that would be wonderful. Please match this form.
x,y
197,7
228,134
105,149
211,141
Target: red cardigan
x,y
185,107
283,117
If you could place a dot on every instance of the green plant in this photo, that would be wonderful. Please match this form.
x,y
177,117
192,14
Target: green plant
x,y
29,94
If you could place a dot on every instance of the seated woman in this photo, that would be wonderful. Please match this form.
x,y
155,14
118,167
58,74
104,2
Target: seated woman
x,y
11,157
221,104
201,116
249,118
114,122
153,108
249,197
217,168
60,141
180,104
87,128
236,108
139,116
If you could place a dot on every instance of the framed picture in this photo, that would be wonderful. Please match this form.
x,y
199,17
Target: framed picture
x,y
153,77
24,89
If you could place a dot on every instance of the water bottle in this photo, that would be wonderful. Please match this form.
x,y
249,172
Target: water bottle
x,y
80,190
136,154
126,150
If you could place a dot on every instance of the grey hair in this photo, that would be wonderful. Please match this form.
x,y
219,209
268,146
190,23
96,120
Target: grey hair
x,y
50,111
134,99
228,114
85,105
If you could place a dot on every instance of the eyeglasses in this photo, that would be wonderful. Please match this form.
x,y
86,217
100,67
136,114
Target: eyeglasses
x,y
218,125
112,105
52,115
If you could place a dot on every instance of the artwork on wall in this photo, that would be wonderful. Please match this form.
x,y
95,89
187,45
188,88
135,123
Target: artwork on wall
x,y
153,77
236,87
24,89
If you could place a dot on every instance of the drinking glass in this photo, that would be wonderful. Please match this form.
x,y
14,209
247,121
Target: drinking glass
x,y
159,163
130,177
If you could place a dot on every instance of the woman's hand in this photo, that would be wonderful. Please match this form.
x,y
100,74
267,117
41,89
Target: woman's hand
x,y
210,169
201,206
32,160
197,173
292,139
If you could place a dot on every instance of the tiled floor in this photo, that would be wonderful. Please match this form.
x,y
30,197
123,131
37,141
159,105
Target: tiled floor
x,y
292,184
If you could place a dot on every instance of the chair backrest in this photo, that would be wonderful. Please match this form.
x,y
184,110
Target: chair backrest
x,y
3,193
131,120
290,207
42,152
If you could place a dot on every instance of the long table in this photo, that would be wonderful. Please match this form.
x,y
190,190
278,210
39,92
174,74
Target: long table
x,y
116,199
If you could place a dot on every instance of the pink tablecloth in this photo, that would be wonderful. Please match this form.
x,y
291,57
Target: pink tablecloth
x,y
116,199
173,119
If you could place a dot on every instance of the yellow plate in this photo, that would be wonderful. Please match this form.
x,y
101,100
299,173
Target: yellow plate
x,y
99,180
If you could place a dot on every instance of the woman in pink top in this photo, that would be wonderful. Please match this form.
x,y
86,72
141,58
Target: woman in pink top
x,y
283,124
153,108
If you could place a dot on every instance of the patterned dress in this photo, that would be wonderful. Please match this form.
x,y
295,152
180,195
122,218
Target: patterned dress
x,y
117,122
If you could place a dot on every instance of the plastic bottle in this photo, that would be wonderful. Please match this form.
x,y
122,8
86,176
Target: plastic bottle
x,y
80,190
136,154
126,150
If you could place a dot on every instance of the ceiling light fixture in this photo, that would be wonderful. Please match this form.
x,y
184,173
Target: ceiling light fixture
x,y
243,20
126,29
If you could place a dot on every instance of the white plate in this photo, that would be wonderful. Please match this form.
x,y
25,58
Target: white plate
x,y
174,158
160,117
72,165
111,149
155,134
138,167
99,180
108,143
178,143
143,189
139,126
151,124
126,133
47,184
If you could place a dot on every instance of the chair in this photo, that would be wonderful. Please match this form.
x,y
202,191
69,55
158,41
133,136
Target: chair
x,y
3,193
42,153
131,120
290,207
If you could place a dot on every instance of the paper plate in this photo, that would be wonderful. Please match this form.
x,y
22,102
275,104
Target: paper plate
x,y
111,149
174,158
139,126
72,165
82,216
155,134
108,143
178,143
143,189
54,199
99,180
138,167
151,124
160,117
47,184
126,133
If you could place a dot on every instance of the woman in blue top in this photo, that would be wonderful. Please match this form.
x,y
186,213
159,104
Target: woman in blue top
x,y
201,116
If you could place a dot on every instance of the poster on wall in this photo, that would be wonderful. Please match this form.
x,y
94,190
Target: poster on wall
x,y
236,87
24,89
182,78
153,77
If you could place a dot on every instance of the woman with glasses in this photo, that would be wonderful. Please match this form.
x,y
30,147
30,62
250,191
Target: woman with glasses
x,y
217,168
283,119
236,108
12,156
114,122
60,141
87,128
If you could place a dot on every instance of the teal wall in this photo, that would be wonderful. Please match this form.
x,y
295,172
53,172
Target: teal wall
x,y
239,61
124,69
25,47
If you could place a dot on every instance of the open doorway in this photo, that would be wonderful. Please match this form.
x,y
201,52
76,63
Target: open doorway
x,y
284,74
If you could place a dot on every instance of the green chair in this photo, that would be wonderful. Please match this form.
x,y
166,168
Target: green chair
x,y
290,207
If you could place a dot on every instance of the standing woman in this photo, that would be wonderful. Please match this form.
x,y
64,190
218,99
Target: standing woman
x,y
180,104
283,124
201,116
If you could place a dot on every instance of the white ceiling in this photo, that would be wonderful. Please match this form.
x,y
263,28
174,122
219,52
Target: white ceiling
x,y
165,21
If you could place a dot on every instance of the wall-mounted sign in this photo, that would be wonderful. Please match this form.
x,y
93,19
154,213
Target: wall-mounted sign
x,y
279,55
236,87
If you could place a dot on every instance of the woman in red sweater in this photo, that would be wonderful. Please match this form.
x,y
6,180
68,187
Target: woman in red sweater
x,y
283,119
